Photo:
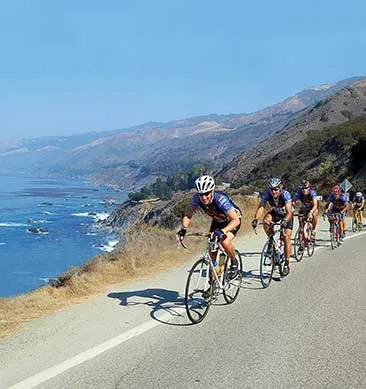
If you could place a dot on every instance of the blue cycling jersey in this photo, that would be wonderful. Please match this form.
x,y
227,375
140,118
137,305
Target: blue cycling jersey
x,y
218,208
338,203
307,200
278,205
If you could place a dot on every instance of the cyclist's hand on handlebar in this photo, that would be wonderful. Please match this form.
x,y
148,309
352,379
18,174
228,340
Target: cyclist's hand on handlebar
x,y
283,223
219,234
254,223
181,234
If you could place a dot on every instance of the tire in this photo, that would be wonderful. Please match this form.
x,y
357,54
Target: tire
x,y
298,256
197,282
232,286
311,242
354,224
333,236
266,271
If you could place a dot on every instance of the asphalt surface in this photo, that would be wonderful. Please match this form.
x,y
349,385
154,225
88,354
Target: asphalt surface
x,y
305,331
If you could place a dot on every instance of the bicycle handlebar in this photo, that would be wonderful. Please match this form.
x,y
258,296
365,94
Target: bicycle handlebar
x,y
204,234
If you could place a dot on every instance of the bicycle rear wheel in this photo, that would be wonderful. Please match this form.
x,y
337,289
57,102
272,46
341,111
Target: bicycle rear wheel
x,y
297,252
232,286
198,294
267,264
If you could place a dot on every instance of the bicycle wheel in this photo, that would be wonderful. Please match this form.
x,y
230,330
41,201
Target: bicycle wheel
x,y
297,251
354,224
311,241
197,305
232,286
267,264
333,242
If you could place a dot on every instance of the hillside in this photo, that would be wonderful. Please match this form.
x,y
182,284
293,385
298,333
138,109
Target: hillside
x,y
132,157
325,157
341,107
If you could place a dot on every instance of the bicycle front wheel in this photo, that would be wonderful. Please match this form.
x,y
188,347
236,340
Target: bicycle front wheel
x,y
298,253
334,236
198,294
267,264
232,285
311,240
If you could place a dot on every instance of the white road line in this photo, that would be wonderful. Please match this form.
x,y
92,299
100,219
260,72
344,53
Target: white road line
x,y
53,371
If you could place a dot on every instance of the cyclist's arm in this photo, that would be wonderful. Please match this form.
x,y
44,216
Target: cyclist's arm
x,y
233,223
187,217
327,207
345,208
362,205
315,206
259,211
288,209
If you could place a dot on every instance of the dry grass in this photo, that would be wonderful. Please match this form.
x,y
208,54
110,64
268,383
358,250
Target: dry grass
x,y
147,250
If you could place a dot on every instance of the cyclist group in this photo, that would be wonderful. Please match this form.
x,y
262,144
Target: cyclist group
x,y
226,216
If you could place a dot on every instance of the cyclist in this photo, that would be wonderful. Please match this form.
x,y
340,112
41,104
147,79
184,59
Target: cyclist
x,y
358,204
281,202
337,203
308,208
226,217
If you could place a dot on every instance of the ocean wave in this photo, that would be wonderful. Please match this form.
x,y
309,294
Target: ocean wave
x,y
2,243
110,246
94,215
12,224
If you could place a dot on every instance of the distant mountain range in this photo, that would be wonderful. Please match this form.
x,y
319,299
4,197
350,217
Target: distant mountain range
x,y
232,144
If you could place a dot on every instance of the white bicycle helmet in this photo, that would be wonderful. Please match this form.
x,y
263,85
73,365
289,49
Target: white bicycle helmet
x,y
358,194
204,184
274,182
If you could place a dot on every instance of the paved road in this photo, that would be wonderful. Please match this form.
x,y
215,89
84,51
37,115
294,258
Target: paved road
x,y
305,331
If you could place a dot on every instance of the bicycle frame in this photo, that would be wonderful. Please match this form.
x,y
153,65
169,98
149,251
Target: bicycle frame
x,y
204,282
334,229
274,242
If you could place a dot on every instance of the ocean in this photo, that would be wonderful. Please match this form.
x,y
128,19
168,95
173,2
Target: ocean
x,y
48,226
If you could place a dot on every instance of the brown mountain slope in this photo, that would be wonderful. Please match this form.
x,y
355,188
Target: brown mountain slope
x,y
325,157
346,104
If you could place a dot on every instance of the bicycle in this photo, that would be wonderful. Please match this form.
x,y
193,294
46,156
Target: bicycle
x,y
334,230
272,255
307,241
205,282
357,220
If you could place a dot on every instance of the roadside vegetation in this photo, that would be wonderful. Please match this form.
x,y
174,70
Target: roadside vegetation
x,y
146,250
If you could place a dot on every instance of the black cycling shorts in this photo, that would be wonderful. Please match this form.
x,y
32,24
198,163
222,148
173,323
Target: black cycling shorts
x,y
277,217
220,225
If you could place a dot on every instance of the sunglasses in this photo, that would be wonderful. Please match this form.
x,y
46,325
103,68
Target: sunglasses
x,y
275,189
305,187
206,193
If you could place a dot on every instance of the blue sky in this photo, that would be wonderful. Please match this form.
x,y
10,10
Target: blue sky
x,y
77,66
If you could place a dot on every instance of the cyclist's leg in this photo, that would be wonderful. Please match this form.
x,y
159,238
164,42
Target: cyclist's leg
x,y
227,245
314,223
342,225
301,227
268,218
287,241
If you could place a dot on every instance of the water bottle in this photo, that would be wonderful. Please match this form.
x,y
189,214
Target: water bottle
x,y
279,255
216,266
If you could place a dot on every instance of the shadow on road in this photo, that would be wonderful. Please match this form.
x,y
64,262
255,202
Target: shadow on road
x,y
167,306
